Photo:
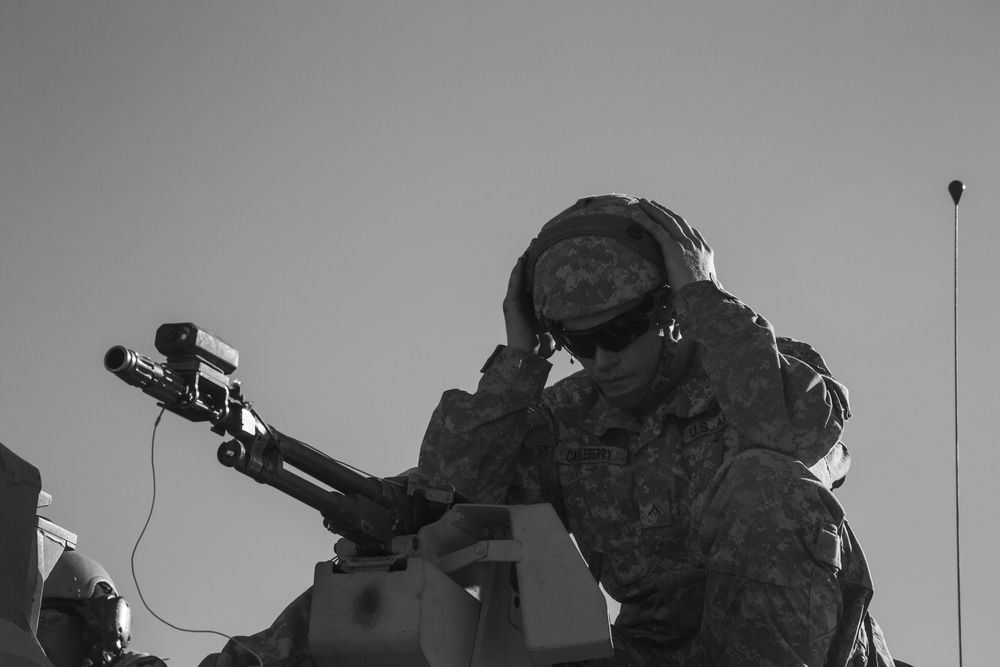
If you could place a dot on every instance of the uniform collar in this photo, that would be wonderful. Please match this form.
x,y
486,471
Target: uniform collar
x,y
693,396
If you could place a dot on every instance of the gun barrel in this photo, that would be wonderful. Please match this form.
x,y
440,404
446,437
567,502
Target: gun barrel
x,y
193,384
320,466
140,371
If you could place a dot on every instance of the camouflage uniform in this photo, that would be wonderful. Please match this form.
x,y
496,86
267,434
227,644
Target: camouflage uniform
x,y
284,644
714,516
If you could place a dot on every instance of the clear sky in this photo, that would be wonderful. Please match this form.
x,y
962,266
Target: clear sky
x,y
340,190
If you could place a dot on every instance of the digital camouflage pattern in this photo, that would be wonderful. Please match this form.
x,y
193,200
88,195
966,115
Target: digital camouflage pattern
x,y
715,517
582,275
591,269
284,644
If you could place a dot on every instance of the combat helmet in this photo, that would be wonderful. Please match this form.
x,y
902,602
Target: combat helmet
x,y
592,257
86,616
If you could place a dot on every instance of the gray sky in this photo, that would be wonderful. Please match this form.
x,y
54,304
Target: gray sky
x,y
340,189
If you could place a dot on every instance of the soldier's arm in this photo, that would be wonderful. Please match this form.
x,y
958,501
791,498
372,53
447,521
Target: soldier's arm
x,y
473,440
775,392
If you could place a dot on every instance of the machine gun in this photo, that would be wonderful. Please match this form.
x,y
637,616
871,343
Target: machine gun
x,y
422,578
195,384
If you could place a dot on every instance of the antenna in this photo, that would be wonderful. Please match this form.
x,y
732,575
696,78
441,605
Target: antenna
x,y
956,188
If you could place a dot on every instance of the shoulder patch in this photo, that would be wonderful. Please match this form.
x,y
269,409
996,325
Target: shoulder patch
x,y
700,426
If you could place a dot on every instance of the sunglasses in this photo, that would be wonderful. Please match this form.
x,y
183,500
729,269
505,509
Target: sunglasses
x,y
612,336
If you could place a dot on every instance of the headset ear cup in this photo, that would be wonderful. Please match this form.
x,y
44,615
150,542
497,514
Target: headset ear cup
x,y
686,348
528,287
117,630
662,308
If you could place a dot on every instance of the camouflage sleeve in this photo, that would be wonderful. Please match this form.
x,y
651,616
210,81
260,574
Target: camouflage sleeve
x,y
472,440
775,392
284,644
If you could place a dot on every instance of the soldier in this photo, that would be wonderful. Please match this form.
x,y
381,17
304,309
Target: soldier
x,y
83,622
694,455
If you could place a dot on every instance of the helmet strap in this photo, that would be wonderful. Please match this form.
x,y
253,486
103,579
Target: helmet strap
x,y
673,366
676,357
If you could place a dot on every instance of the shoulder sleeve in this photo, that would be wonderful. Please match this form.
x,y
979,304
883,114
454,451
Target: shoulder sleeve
x,y
777,393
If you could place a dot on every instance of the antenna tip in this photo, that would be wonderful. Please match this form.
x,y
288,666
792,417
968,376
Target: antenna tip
x,y
956,188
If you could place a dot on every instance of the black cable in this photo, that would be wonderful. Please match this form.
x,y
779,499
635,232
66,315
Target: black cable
x,y
135,579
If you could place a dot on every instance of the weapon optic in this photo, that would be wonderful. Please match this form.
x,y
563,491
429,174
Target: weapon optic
x,y
195,383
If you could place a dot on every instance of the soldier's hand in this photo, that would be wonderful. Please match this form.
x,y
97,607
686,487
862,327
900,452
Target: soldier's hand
x,y
523,330
688,258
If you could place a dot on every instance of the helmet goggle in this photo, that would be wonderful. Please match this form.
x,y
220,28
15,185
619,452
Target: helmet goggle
x,y
612,336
